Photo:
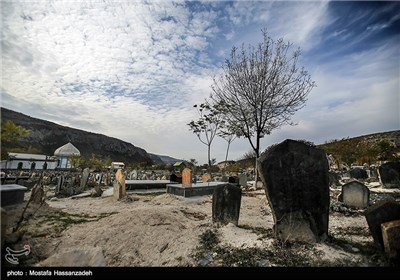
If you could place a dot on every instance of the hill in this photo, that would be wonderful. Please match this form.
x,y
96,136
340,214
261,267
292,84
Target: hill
x,y
366,148
45,137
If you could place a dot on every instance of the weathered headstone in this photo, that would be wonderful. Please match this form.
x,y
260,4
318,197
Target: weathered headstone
x,y
117,190
226,204
134,175
389,174
71,186
120,177
243,180
186,177
84,179
60,184
379,213
295,176
37,194
355,194
206,178
358,173
391,238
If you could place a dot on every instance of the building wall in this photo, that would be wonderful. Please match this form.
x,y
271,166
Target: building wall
x,y
27,164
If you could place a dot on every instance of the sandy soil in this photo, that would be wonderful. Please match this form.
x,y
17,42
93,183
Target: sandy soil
x,y
159,229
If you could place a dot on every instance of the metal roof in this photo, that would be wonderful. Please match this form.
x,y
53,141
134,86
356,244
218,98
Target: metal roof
x,y
67,150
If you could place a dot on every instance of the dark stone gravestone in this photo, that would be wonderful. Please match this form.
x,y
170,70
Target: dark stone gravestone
x,y
226,204
358,173
12,194
379,213
355,194
233,180
295,176
173,177
389,174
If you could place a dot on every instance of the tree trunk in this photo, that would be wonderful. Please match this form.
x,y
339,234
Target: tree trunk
x,y
226,156
209,159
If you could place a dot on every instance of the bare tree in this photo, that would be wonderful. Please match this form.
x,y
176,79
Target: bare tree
x,y
261,88
206,126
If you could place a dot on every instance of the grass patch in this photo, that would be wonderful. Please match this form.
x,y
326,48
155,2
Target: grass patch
x,y
264,232
62,220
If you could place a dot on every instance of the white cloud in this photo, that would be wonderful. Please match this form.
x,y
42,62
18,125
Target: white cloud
x,y
133,69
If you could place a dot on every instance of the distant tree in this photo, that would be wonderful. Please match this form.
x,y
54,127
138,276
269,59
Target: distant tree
x,y
206,126
77,161
386,150
11,132
261,88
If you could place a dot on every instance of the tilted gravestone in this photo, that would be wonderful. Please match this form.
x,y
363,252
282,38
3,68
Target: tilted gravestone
x,y
389,174
379,213
355,194
295,176
226,204
186,177
391,238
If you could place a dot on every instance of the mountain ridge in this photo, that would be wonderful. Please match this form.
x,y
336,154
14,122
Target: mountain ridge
x,y
46,136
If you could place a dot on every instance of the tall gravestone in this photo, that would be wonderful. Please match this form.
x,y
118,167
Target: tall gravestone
x,y
186,178
84,179
119,185
295,176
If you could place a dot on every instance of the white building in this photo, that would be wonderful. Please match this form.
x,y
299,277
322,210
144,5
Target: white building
x,y
19,161
64,153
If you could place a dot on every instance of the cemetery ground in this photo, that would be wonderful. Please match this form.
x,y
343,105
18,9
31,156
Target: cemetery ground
x,y
153,228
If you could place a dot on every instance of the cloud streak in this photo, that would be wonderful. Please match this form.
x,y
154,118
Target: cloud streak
x,y
133,69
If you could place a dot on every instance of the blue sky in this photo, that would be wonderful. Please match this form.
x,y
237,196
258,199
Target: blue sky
x,y
133,69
